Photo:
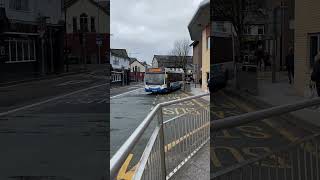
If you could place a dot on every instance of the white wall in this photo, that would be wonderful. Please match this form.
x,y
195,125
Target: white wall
x,y
84,6
136,63
50,8
155,63
123,62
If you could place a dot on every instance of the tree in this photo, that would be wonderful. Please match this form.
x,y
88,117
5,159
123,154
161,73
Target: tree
x,y
181,50
239,13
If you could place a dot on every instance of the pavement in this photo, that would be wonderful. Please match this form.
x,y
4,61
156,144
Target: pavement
x,y
55,127
279,93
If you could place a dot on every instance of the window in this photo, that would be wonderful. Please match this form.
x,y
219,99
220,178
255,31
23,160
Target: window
x,y
261,30
314,47
19,5
220,27
116,61
21,50
93,24
75,25
84,22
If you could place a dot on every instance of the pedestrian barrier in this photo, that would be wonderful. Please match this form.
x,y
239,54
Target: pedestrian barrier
x,y
298,160
171,145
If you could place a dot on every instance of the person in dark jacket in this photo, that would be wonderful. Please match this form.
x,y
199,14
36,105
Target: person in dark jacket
x,y
290,65
315,76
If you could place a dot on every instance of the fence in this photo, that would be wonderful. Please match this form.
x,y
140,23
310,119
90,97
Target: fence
x,y
171,144
296,161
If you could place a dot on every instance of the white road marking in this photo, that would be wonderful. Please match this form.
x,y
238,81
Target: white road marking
x,y
125,93
73,82
41,80
51,99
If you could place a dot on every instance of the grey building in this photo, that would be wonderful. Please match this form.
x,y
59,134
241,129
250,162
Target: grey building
x,y
169,61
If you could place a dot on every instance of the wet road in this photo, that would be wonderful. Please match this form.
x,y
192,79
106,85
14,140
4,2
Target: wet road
x,y
62,132
129,110
237,145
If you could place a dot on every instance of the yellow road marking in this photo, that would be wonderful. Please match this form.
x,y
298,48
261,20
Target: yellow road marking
x,y
284,132
123,173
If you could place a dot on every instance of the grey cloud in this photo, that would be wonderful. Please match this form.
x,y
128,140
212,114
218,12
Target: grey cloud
x,y
150,27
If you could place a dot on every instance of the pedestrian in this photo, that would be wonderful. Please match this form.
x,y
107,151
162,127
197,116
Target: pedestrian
x,y
200,82
315,76
266,60
259,57
290,65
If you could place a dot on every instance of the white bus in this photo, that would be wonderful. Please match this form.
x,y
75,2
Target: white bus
x,y
162,80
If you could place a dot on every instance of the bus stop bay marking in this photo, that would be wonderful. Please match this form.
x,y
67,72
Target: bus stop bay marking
x,y
125,174
253,132
238,156
284,132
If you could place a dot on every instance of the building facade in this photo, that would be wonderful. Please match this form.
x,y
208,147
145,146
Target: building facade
x,y
200,30
307,41
120,66
31,38
196,60
137,70
87,27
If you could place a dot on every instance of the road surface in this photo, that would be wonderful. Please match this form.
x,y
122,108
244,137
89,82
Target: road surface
x,y
55,127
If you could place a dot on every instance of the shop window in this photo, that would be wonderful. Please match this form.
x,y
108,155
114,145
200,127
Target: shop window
x,y
21,50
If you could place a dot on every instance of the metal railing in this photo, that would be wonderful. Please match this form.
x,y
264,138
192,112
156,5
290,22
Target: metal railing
x,y
171,144
298,160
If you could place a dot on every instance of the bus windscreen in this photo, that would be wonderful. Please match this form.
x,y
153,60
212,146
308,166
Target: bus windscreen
x,y
154,78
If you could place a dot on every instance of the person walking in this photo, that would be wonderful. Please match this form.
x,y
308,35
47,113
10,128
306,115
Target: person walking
x,y
200,82
315,76
259,57
290,65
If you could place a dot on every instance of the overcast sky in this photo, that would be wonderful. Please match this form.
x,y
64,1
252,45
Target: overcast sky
x,y
148,27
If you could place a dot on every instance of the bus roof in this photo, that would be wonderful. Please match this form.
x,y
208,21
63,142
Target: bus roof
x,y
162,70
